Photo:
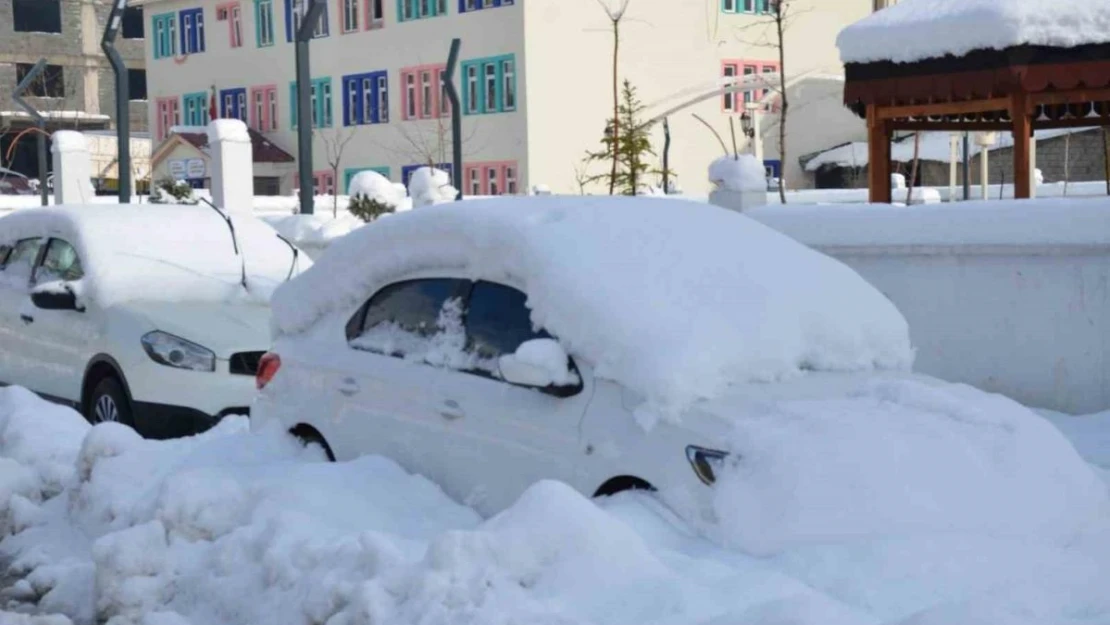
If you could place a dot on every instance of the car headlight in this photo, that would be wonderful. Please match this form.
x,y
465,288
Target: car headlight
x,y
704,461
174,351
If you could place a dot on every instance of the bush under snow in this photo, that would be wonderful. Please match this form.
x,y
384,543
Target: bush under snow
x,y
429,186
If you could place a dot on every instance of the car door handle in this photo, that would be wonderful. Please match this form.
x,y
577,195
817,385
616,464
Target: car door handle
x,y
451,410
27,318
349,387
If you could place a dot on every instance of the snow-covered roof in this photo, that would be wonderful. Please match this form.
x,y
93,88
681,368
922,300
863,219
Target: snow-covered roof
x,y
58,115
913,30
160,251
673,299
934,147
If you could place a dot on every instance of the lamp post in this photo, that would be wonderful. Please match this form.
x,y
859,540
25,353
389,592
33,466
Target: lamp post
x,y
753,113
304,35
123,118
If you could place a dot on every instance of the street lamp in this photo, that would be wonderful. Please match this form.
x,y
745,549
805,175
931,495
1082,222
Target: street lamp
x,y
746,125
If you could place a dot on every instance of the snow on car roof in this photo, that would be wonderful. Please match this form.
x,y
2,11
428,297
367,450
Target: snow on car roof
x,y
159,251
675,300
913,30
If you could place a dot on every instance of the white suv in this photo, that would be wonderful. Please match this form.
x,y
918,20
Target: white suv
x,y
155,316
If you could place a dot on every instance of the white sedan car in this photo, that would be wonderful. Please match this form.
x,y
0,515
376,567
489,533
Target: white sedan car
x,y
154,316
612,344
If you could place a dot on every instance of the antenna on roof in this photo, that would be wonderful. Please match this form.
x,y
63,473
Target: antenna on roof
x,y
296,254
234,243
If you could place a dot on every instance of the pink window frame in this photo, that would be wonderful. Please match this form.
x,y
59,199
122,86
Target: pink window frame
x,y
343,18
174,115
740,64
438,106
231,23
265,123
370,25
484,179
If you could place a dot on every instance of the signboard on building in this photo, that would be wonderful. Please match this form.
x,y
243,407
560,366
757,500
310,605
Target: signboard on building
x,y
187,168
177,168
195,168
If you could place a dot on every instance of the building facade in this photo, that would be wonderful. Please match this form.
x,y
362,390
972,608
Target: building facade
x,y
535,81
77,90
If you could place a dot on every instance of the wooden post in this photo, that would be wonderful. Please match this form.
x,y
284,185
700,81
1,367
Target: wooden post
x,y
1023,131
878,163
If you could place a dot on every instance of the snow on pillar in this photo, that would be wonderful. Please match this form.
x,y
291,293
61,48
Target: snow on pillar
x,y
232,166
72,168
740,184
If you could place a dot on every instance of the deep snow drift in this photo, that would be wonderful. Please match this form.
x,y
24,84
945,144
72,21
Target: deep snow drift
x,y
235,528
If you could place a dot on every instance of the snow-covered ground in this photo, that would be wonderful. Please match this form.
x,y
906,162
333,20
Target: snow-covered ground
x,y
234,527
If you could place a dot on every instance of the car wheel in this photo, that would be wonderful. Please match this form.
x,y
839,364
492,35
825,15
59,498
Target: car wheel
x,y
108,403
309,435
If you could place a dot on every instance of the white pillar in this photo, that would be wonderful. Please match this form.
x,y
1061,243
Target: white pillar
x,y
984,170
1032,167
953,158
231,166
72,168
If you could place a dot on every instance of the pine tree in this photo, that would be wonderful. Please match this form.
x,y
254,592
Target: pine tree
x,y
633,146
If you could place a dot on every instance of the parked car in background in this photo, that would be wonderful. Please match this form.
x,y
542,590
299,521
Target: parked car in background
x,y
15,183
154,316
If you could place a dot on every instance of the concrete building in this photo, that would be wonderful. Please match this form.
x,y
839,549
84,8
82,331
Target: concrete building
x,y
77,91
535,77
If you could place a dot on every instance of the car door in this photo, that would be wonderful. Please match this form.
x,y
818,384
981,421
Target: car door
x,y
17,357
60,339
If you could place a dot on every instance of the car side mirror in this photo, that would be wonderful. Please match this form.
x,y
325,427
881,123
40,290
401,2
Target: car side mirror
x,y
55,295
542,364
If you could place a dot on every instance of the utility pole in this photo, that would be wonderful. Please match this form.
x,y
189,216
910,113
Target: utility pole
x,y
17,97
303,36
967,169
456,117
666,157
123,114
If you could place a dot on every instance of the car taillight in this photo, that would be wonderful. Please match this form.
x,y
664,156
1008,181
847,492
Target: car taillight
x,y
267,368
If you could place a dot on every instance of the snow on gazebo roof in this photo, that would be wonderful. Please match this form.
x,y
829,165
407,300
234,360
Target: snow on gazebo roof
x,y
914,30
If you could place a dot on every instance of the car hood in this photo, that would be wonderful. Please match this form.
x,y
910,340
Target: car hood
x,y
224,328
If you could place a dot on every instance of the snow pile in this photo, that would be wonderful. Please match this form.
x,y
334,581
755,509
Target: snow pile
x,y
675,300
742,173
903,458
912,30
163,252
232,130
313,232
428,186
375,186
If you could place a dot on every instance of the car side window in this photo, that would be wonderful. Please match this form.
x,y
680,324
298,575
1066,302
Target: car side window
x,y
498,321
5,249
59,263
413,319
21,260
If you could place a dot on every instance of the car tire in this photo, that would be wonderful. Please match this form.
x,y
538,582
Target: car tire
x,y
108,403
308,435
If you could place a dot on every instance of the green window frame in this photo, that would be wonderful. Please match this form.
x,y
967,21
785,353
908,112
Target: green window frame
x,y
351,171
164,35
194,109
749,7
505,100
409,10
321,102
264,23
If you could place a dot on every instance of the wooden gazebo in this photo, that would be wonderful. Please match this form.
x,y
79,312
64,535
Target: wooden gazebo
x,y
1016,89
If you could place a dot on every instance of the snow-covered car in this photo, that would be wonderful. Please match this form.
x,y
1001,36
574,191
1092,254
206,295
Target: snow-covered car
x,y
154,316
634,343
15,183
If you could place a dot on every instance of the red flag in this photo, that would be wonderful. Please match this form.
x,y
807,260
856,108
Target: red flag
x,y
212,105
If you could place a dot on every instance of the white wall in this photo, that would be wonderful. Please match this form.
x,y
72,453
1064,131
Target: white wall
x,y
1009,297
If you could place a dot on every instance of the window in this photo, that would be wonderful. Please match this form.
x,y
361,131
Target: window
x,y
233,104
192,31
492,178
167,116
410,96
132,26
734,102
466,6
165,35
319,101
5,249
375,10
264,23
426,97
136,85
196,108
350,172
365,99
746,6
444,99
324,182
498,85
420,9
21,261
498,321
59,263
293,15
400,318
264,108
349,12
229,12
37,16
423,96
49,84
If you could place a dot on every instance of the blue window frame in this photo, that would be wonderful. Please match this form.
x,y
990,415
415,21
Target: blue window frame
x,y
192,31
351,171
320,100
366,98
164,27
408,10
293,20
466,6
746,6
407,170
489,85
196,108
233,104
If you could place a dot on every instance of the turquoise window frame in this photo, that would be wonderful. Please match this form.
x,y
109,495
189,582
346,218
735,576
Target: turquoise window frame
x,y
258,24
759,7
351,171
323,111
199,101
499,86
415,4
167,36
